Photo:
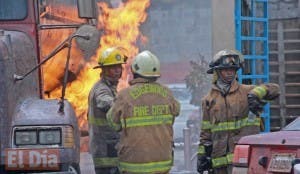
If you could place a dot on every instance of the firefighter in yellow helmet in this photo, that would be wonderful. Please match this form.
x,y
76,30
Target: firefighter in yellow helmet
x,y
225,112
103,138
144,114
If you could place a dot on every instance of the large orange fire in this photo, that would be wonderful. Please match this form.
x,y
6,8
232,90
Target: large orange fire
x,y
120,27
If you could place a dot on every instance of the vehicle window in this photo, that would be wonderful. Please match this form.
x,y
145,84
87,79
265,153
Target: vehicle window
x,y
57,12
293,126
13,10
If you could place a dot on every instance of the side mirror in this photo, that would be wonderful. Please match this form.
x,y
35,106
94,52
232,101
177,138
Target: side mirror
x,y
86,8
90,40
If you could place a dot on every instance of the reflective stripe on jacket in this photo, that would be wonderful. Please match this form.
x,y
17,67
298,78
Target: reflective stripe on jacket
x,y
144,114
230,125
97,121
106,162
147,121
150,167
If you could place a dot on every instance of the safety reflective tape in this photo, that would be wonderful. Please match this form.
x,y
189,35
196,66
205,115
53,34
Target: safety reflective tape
x,y
260,91
106,162
229,158
217,162
201,150
222,161
205,125
151,167
147,120
110,121
114,125
97,121
234,125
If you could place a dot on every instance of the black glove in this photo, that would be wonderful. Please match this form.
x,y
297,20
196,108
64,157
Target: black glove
x,y
203,163
255,104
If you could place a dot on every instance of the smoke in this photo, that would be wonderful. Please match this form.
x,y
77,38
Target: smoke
x,y
116,3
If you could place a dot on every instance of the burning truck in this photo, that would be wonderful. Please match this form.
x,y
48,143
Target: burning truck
x,y
43,109
39,135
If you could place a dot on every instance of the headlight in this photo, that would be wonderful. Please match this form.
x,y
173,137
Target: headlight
x,y
50,137
68,137
28,137
44,135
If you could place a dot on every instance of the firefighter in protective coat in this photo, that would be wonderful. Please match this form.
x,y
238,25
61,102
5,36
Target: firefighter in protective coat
x,y
102,137
226,111
144,114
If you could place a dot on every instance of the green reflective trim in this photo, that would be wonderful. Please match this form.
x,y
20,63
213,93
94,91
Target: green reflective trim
x,y
222,161
110,121
205,125
260,91
106,162
255,122
201,150
150,167
97,121
234,125
147,120
229,157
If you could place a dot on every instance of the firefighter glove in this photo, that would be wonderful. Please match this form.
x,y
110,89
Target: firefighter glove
x,y
255,104
204,163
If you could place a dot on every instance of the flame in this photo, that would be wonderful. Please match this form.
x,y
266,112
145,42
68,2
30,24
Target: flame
x,y
120,27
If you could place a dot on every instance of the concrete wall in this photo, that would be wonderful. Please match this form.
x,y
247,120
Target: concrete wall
x,y
223,26
284,45
283,9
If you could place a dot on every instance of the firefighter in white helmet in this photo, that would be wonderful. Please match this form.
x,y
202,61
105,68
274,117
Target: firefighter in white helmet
x,y
225,112
144,114
103,138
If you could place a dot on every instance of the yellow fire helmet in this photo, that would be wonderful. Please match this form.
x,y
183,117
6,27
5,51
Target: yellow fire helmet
x,y
146,64
112,56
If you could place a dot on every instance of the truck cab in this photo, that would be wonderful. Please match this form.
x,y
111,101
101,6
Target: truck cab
x,y
37,135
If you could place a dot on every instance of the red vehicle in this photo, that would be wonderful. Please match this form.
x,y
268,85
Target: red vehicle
x,y
274,152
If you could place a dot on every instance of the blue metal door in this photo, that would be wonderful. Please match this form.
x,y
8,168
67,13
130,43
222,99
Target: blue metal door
x,y
251,19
